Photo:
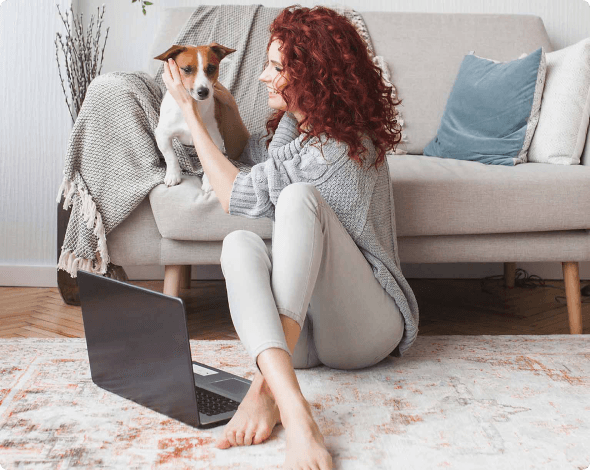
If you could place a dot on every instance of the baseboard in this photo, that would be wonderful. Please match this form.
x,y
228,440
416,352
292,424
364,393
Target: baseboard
x,y
46,276
28,276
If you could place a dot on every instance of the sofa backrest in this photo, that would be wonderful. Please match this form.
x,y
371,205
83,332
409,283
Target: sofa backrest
x,y
423,51
171,22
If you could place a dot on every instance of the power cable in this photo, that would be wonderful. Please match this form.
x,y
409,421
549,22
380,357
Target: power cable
x,y
526,281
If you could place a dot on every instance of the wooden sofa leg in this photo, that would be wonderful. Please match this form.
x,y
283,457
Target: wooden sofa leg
x,y
509,274
172,278
185,277
571,277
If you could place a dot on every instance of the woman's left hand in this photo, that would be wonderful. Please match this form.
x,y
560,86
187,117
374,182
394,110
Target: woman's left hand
x,y
173,81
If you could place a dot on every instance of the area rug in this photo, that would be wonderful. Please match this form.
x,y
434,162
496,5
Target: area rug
x,y
452,402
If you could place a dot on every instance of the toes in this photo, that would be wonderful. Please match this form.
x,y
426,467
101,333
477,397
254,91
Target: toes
x,y
249,436
222,442
227,439
240,438
262,434
231,437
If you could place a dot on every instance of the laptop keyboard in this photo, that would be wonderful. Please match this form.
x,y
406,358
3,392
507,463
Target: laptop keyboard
x,y
211,404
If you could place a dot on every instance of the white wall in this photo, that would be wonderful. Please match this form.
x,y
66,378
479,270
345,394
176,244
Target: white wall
x,y
35,123
34,128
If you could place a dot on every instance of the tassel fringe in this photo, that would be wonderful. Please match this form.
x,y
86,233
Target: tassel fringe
x,y
68,261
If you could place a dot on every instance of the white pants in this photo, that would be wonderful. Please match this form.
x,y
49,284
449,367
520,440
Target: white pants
x,y
315,275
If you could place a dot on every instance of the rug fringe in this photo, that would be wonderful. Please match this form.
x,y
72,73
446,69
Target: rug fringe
x,y
68,261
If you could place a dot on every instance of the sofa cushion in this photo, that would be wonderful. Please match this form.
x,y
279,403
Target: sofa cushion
x,y
565,109
492,111
136,240
442,196
185,212
433,196
424,52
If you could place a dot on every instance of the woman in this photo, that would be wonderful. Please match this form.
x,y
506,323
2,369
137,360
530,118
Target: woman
x,y
330,291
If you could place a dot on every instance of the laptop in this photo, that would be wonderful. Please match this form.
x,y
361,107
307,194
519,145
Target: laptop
x,y
138,348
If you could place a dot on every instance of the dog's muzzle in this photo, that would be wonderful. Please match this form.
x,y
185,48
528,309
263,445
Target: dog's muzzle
x,y
202,93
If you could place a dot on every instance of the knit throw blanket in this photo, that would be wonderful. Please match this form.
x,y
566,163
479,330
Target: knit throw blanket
x,y
113,161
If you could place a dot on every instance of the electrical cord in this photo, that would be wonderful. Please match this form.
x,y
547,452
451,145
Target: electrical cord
x,y
524,280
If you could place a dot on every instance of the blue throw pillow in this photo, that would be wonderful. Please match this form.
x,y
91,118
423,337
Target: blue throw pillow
x,y
492,111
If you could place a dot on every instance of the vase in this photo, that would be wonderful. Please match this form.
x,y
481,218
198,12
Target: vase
x,y
67,285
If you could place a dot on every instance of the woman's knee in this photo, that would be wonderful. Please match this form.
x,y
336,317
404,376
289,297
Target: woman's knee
x,y
241,244
295,197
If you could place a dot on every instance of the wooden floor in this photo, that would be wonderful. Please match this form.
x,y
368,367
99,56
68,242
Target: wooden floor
x,y
447,307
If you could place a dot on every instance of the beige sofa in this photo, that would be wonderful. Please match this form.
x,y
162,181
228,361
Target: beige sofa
x,y
446,210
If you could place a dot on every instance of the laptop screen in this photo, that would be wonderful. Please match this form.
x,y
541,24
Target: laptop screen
x,y
138,345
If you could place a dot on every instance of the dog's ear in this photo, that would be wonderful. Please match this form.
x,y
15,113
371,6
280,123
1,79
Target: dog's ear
x,y
220,51
171,53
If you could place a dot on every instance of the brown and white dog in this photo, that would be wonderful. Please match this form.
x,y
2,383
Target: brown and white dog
x,y
199,67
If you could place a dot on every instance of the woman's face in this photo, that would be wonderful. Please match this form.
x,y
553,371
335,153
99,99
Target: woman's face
x,y
273,77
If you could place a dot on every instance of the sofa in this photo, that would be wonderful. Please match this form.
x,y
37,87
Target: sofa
x,y
447,210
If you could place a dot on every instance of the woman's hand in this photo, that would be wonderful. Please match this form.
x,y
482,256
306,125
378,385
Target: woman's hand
x,y
173,81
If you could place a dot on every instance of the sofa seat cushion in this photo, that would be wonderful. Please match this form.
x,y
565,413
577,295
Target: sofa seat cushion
x,y
185,212
432,196
442,196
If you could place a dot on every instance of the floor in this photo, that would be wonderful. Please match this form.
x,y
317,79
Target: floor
x,y
447,307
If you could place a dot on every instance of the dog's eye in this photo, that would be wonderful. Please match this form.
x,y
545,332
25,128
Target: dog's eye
x,y
187,70
211,69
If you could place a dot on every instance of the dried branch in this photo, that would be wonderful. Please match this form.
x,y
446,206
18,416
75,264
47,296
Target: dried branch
x,y
81,53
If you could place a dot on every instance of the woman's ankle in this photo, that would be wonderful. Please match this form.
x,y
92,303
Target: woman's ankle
x,y
297,410
260,386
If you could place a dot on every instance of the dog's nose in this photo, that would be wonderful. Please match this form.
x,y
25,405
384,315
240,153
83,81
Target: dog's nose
x,y
203,92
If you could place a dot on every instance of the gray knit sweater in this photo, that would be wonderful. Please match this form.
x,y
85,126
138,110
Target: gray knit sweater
x,y
361,197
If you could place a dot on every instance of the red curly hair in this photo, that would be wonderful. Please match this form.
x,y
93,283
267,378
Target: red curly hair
x,y
333,82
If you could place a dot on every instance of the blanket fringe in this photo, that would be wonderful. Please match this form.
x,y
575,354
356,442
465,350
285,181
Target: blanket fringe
x,y
68,261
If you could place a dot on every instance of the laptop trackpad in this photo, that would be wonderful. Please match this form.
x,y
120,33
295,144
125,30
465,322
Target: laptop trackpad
x,y
232,386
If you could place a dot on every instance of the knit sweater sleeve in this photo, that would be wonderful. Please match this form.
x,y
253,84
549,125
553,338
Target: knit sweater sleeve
x,y
255,150
255,193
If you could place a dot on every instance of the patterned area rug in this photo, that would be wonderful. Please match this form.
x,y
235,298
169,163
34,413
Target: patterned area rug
x,y
453,402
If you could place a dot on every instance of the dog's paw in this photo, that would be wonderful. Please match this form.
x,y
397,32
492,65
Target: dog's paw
x,y
172,177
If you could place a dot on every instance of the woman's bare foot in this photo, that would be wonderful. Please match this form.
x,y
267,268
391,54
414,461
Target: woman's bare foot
x,y
305,443
255,418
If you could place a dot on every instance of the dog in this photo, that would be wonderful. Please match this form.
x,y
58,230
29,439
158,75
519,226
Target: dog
x,y
199,67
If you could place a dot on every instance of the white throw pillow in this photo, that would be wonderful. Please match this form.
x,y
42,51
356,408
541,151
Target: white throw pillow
x,y
563,122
